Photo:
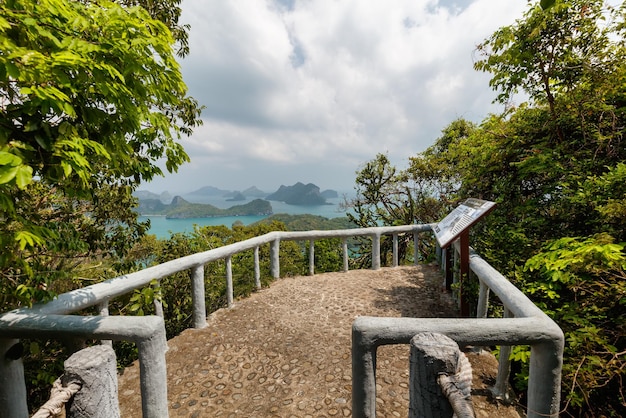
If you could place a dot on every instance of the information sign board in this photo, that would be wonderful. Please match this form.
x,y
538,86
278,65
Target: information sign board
x,y
460,219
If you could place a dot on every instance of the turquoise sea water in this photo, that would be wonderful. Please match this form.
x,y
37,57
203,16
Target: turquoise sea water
x,y
163,228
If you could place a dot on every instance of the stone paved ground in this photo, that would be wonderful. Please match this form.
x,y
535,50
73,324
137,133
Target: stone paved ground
x,y
285,351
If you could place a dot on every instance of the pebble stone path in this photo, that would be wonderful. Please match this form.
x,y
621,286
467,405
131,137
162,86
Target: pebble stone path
x,y
285,351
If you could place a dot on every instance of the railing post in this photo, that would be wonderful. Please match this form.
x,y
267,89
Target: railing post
x,y
275,258
376,251
344,245
153,375
95,368
257,269
483,301
544,379
416,248
229,281
395,249
440,378
103,310
500,388
363,375
158,305
12,384
311,257
198,297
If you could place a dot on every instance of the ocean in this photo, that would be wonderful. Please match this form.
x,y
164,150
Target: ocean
x,y
163,228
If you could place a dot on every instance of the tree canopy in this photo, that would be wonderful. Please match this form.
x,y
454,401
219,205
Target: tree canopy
x,y
91,101
555,167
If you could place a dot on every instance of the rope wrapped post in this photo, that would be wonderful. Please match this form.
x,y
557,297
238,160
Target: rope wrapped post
x,y
60,394
440,378
93,368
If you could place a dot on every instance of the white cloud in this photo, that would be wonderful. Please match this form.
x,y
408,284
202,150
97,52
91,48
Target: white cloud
x,y
311,89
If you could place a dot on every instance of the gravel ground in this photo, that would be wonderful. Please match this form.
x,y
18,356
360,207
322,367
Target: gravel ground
x,y
285,351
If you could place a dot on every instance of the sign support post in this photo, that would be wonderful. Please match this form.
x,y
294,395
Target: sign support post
x,y
456,226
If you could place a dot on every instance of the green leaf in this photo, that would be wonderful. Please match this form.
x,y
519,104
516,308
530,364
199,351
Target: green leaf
x,y
24,176
7,173
34,348
12,70
6,158
28,239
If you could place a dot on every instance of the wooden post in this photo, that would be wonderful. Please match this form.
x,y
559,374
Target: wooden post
x,y
440,378
95,368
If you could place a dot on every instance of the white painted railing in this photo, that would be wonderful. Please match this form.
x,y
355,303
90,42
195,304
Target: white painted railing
x,y
523,324
54,319
526,323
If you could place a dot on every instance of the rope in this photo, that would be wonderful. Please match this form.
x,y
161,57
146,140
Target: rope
x,y
458,388
59,396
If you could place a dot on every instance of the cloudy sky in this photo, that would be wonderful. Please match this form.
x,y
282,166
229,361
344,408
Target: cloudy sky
x,y
309,90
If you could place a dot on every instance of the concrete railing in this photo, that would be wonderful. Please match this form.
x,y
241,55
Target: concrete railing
x,y
54,320
523,323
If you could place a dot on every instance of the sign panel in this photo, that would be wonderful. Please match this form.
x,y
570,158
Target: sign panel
x,y
460,219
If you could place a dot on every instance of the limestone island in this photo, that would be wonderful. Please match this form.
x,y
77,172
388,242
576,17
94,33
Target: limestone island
x,y
182,209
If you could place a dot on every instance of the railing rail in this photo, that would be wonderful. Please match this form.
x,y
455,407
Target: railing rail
x,y
53,319
527,325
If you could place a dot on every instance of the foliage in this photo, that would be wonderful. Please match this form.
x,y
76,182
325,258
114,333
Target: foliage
x,y
308,222
91,103
555,168
385,196
91,97
168,12
175,291
584,290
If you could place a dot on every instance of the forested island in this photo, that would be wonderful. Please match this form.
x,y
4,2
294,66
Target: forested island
x,y
297,194
301,194
182,209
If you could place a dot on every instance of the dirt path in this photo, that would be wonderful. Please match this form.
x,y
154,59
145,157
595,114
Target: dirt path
x,y
285,351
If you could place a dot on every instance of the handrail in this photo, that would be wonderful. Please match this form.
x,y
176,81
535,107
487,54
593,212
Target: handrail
x,y
53,319
528,326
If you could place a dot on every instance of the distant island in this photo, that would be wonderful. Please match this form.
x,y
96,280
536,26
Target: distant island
x,y
236,197
299,194
182,209
302,194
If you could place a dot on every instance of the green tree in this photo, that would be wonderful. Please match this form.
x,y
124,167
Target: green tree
x,y
91,98
555,168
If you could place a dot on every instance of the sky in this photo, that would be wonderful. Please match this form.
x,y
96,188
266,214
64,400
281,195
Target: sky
x,y
310,90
